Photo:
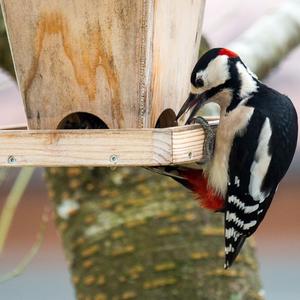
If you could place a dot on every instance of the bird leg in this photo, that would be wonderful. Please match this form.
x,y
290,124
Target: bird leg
x,y
209,142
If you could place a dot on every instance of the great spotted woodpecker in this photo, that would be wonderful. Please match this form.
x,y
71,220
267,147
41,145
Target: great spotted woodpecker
x,y
254,145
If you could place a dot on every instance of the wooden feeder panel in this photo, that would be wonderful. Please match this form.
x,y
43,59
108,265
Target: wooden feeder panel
x,y
123,61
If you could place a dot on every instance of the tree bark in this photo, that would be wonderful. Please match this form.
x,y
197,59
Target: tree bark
x,y
131,234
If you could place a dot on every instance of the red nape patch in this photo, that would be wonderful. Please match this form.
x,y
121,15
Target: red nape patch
x,y
227,52
206,196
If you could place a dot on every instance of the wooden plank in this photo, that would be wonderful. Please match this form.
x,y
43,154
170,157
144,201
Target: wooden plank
x,y
177,27
105,148
123,61
187,145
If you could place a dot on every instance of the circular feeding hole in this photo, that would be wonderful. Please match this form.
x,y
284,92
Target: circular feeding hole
x,y
166,119
82,120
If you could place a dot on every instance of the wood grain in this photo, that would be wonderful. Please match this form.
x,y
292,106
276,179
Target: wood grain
x,y
123,61
133,147
176,38
186,145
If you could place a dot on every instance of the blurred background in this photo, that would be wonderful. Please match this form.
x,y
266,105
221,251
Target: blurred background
x,y
278,238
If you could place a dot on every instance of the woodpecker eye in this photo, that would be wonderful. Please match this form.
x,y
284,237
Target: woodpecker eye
x,y
197,79
199,82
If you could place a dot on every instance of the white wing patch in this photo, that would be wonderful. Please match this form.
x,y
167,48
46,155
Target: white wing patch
x,y
261,163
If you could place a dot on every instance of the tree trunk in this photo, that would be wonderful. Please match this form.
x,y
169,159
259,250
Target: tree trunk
x,y
131,234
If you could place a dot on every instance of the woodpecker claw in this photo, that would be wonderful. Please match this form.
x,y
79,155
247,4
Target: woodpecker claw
x,y
209,142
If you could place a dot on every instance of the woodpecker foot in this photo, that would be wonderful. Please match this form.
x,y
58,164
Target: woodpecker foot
x,y
209,143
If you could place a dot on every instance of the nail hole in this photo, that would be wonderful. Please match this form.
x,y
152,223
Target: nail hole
x,y
11,159
114,159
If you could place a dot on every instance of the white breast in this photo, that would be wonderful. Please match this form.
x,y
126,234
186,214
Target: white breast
x,y
230,125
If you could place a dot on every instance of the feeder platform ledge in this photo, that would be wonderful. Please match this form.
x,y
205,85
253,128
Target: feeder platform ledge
x,y
102,147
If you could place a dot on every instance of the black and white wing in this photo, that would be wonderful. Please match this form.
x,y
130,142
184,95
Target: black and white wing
x,y
247,197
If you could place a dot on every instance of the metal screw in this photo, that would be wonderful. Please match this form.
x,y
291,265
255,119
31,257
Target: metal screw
x,y
190,155
114,158
11,160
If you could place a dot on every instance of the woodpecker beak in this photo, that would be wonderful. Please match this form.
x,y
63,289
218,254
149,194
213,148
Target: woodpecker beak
x,y
194,101
187,105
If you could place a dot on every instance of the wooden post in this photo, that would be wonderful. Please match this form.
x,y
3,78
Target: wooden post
x,y
122,61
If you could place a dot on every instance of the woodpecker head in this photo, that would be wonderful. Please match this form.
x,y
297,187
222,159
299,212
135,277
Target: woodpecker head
x,y
219,76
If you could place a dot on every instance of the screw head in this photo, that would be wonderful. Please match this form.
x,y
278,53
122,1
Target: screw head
x,y
114,158
190,155
11,160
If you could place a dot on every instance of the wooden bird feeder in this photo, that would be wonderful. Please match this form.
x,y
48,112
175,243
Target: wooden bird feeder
x,y
122,65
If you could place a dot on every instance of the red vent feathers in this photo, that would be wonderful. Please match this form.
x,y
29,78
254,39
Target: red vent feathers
x,y
227,52
206,196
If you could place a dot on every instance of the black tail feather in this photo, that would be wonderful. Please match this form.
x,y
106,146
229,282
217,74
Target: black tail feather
x,y
236,245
